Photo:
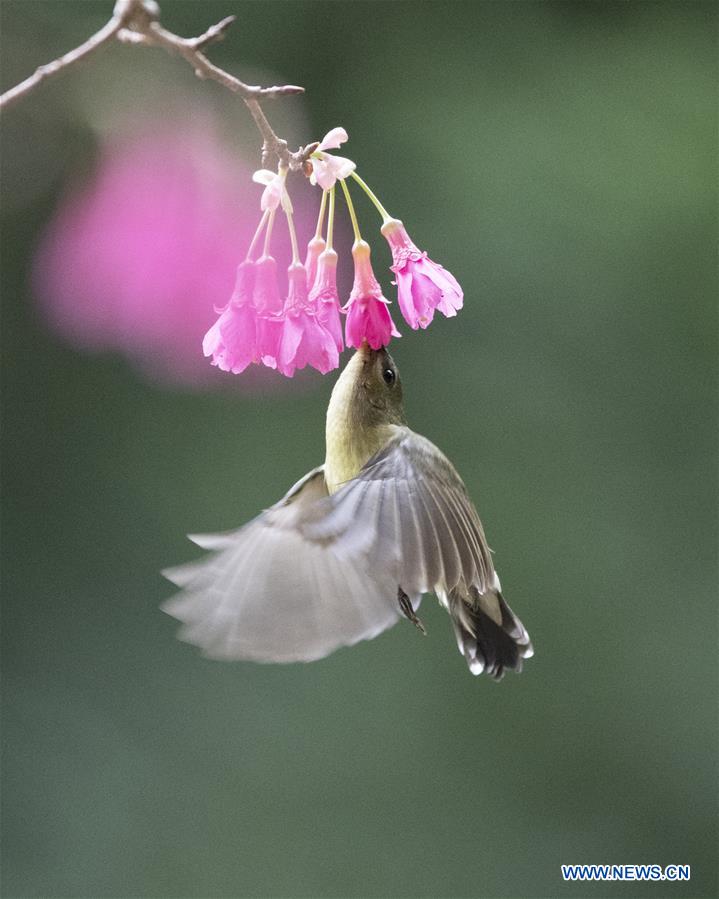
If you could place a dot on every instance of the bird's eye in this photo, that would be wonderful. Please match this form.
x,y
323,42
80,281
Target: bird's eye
x,y
388,376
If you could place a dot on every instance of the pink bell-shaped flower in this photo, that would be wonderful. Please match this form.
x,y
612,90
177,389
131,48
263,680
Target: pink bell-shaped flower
x,y
324,296
368,317
422,285
304,341
231,340
268,307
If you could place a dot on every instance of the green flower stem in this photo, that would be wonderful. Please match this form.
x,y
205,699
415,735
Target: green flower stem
x,y
293,238
380,208
331,219
268,233
321,216
351,208
258,232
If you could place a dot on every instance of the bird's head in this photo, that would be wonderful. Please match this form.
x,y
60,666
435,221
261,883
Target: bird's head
x,y
369,390
376,388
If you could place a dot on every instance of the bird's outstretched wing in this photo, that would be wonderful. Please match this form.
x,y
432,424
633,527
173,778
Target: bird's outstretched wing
x,y
268,593
316,572
407,513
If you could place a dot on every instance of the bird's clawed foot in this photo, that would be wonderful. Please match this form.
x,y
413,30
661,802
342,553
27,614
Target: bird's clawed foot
x,y
408,611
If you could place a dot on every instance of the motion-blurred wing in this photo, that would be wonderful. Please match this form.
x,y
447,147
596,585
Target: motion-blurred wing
x,y
407,513
269,594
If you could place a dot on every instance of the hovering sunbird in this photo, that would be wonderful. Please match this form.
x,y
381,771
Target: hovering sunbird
x,y
351,548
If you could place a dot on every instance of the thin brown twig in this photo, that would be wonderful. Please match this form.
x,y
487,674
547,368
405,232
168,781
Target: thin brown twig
x,y
153,34
108,31
213,33
138,22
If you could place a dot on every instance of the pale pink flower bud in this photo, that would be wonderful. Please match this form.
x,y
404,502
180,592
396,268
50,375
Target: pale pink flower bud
x,y
368,317
314,248
231,340
325,297
422,285
304,341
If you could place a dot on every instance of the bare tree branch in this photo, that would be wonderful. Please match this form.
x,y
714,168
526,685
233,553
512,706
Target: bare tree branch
x,y
50,69
213,33
138,22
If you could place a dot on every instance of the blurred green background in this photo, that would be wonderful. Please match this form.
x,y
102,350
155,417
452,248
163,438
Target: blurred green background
x,y
560,159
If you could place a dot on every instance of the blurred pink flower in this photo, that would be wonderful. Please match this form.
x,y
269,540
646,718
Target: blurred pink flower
x,y
422,285
135,260
324,296
231,341
368,317
305,340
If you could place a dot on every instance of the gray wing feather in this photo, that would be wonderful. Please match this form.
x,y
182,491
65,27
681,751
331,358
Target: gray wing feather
x,y
268,593
407,512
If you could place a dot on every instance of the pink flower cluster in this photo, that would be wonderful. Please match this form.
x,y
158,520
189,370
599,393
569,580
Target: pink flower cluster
x,y
257,326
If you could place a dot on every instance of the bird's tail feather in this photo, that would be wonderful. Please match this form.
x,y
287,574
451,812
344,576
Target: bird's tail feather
x,y
489,634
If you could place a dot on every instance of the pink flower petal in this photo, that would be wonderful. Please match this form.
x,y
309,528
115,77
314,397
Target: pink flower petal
x,y
244,282
266,293
333,139
269,335
328,314
422,285
321,349
327,170
292,332
368,317
322,174
324,296
369,320
306,342
275,192
267,303
263,176
418,298
341,167
451,295
231,340
271,197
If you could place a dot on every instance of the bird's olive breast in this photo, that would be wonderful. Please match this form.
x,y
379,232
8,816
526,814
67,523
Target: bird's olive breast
x,y
365,403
